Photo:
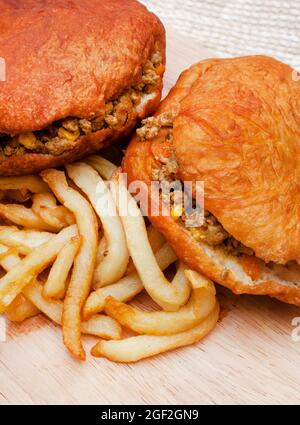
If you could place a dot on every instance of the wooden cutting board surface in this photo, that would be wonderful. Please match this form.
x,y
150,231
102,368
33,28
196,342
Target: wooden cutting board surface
x,y
249,358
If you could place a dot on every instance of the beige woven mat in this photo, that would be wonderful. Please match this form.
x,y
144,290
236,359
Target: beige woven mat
x,y
237,27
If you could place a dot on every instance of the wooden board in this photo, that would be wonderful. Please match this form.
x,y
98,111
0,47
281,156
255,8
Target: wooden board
x,y
249,358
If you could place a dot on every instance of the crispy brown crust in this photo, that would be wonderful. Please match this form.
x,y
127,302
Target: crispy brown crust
x,y
232,272
67,58
238,131
34,163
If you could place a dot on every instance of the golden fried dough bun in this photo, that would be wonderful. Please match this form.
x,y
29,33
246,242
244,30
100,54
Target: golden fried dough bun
x,y
236,127
79,75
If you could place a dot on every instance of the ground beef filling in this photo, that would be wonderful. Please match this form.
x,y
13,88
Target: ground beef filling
x,y
214,234
211,231
60,136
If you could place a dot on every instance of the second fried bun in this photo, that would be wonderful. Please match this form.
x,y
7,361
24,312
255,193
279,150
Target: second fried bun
x,y
235,125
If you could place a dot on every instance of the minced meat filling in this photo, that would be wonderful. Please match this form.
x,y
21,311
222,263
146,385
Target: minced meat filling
x,y
214,234
211,231
163,125
153,125
61,135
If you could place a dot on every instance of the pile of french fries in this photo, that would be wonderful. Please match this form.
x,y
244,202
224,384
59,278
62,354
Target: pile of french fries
x,y
63,256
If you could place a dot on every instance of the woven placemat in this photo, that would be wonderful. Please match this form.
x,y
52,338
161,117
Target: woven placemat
x,y
237,27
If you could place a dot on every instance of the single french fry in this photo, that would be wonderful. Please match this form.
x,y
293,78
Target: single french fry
x,y
104,167
102,326
40,200
124,290
33,183
55,286
45,206
23,240
25,217
17,195
59,216
156,239
21,309
8,257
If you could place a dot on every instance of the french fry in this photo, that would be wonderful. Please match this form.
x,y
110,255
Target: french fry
x,y
101,250
17,195
164,257
8,252
140,347
128,259
200,305
156,241
23,240
56,284
21,309
8,257
25,271
128,287
25,217
44,205
113,265
85,260
104,167
155,238
33,183
58,217
40,200
124,290
101,326
168,296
